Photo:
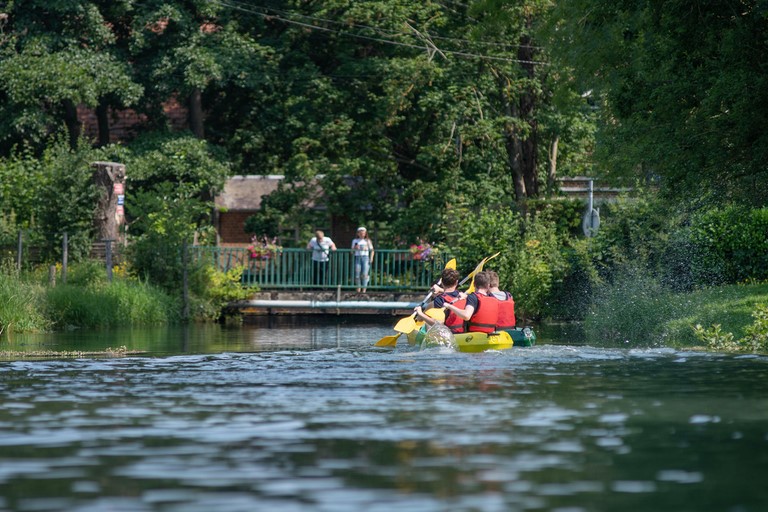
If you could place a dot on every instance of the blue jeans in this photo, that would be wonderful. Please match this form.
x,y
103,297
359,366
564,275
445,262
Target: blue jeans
x,y
362,269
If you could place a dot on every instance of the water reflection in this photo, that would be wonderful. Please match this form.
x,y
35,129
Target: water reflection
x,y
313,418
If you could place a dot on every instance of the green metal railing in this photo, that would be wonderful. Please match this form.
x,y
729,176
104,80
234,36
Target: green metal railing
x,y
392,269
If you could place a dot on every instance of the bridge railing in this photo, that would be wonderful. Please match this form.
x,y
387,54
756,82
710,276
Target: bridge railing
x,y
392,269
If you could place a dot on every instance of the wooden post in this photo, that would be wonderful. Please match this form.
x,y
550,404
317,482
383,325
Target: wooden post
x,y
52,275
64,257
19,250
109,214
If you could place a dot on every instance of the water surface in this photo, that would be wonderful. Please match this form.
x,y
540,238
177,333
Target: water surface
x,y
313,418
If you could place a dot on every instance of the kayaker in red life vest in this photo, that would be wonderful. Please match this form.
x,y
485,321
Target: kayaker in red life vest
x,y
446,293
481,311
506,318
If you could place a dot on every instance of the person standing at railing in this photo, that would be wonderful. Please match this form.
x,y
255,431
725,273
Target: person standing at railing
x,y
362,248
321,247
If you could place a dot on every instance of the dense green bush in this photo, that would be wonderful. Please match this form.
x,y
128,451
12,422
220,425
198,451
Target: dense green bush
x,y
471,235
565,213
729,245
47,196
172,179
211,290
538,265
633,231
571,296
531,260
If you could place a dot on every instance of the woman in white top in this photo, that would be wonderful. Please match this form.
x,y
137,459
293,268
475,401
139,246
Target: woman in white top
x,y
362,248
321,246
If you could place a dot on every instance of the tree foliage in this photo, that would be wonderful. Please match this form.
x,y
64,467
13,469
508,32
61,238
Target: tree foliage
x,y
369,109
678,84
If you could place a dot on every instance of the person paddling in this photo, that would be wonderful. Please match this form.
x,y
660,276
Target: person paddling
x,y
446,293
481,310
506,318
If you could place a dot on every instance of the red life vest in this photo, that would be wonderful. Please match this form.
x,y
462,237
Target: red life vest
x,y
485,316
453,322
506,318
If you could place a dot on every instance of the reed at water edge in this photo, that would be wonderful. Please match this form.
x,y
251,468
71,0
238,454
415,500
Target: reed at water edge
x,y
29,304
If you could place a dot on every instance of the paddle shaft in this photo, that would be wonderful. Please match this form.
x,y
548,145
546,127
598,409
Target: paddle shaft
x,y
466,278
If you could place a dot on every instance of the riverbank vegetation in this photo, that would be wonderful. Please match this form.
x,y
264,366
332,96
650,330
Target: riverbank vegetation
x,y
29,303
424,121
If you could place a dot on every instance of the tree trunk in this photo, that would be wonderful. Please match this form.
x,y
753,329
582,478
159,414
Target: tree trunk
x,y
528,104
512,143
102,118
196,113
109,177
552,170
72,122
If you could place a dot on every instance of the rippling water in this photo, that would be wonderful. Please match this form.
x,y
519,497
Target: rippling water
x,y
316,419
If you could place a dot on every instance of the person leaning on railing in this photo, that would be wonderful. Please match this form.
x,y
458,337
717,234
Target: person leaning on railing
x,y
321,246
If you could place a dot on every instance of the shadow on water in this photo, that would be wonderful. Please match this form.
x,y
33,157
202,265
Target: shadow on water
x,y
260,334
263,334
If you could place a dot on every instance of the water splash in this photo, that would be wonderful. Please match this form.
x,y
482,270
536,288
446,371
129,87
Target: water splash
x,y
438,336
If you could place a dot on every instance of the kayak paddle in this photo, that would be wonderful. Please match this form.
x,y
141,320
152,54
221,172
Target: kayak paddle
x,y
478,269
407,324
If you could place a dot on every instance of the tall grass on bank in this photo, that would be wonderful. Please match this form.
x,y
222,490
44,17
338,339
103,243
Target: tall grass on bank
x,y
121,303
636,310
20,303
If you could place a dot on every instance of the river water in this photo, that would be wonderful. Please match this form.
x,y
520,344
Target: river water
x,y
314,418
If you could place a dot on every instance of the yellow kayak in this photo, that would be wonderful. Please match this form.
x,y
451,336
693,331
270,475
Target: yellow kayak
x,y
480,341
470,341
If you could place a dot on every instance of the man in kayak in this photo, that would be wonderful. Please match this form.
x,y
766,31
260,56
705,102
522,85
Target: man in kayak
x,y
481,310
506,319
445,293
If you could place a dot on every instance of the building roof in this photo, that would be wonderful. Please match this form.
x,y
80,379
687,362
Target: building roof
x,y
245,192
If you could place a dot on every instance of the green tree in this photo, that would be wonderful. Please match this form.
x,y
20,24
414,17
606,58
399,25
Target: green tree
x,y
678,86
171,182
55,56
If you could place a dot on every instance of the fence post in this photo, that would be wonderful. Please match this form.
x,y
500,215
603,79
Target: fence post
x,y
64,257
52,276
108,257
19,250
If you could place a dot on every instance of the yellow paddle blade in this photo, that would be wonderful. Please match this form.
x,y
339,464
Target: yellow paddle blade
x,y
388,341
406,325
479,269
436,313
489,258
451,264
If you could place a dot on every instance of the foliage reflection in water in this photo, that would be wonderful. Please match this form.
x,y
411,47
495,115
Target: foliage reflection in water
x,y
282,420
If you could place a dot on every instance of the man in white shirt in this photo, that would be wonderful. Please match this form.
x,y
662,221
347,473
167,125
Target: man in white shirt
x,y
321,246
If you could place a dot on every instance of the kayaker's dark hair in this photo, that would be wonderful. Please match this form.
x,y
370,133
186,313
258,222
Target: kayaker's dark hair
x,y
482,280
449,277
